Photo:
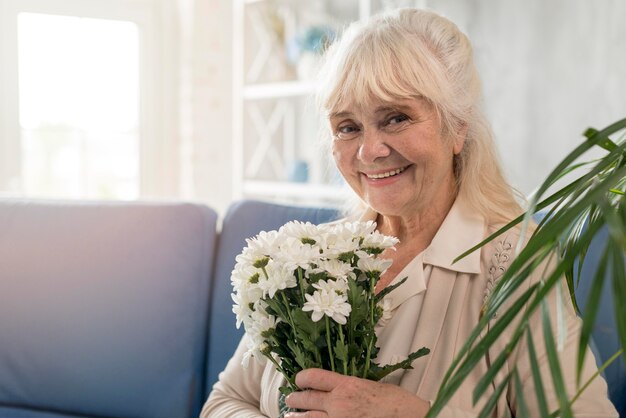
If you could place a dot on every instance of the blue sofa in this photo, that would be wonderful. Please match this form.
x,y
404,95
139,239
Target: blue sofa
x,y
124,310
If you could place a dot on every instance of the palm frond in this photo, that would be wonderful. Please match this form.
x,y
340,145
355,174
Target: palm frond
x,y
576,212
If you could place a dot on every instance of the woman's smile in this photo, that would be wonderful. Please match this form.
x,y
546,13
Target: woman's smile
x,y
395,155
386,176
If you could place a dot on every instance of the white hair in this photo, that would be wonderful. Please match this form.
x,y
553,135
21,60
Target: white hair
x,y
411,53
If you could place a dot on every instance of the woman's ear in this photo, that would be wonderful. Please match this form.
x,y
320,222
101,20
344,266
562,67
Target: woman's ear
x,y
459,139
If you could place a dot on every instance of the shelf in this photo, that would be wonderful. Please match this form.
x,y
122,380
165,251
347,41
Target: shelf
x,y
278,90
296,190
276,121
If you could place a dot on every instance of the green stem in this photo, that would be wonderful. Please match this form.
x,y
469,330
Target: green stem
x,y
301,282
330,348
351,341
291,381
372,301
287,305
344,361
366,369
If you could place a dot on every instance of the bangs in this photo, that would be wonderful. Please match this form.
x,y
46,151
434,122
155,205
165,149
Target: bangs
x,y
381,65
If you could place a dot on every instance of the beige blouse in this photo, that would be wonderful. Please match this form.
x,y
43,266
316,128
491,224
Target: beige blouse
x,y
437,307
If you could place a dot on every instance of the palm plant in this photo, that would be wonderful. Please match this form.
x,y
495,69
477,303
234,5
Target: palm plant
x,y
574,216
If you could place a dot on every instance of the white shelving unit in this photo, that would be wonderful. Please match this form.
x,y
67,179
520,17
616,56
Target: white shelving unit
x,y
276,149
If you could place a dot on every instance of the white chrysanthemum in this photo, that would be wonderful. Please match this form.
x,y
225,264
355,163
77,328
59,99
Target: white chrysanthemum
x,y
266,241
370,264
378,240
339,286
243,275
339,241
334,268
303,231
241,308
263,245
331,304
261,321
293,254
254,350
279,277
245,280
385,305
250,256
358,229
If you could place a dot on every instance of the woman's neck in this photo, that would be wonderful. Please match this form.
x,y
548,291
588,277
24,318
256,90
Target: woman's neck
x,y
417,230
415,234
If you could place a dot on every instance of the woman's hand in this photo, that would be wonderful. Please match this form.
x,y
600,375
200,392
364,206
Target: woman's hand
x,y
328,394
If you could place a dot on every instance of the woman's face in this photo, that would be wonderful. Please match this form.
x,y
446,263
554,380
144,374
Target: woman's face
x,y
394,156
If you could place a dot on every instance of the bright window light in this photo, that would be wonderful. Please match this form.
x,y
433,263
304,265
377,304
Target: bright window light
x,y
79,106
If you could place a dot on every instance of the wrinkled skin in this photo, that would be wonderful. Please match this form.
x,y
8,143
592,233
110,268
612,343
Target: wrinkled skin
x,y
332,395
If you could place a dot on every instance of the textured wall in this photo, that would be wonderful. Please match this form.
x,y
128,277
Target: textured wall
x,y
550,69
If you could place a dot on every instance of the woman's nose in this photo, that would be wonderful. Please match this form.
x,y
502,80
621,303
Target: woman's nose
x,y
372,147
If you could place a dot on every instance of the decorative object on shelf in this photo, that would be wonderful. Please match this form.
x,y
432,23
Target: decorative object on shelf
x,y
307,48
298,171
306,296
268,22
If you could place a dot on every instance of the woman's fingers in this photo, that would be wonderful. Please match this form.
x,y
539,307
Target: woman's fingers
x,y
307,414
319,379
307,399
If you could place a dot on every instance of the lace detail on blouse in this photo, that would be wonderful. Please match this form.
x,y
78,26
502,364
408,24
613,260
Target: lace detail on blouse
x,y
497,267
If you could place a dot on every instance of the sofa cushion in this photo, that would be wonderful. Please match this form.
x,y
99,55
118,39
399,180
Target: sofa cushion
x,y
244,219
604,334
103,307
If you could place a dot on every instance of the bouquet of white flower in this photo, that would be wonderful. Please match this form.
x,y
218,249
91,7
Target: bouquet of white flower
x,y
306,296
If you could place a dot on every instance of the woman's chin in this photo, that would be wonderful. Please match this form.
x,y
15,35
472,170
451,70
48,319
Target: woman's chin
x,y
385,205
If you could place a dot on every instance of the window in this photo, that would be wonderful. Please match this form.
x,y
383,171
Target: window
x,y
80,83
78,106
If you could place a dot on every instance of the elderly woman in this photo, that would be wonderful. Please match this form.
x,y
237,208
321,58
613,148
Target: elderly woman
x,y
402,97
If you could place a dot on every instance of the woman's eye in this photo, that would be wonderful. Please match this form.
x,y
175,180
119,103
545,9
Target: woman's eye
x,y
346,132
397,119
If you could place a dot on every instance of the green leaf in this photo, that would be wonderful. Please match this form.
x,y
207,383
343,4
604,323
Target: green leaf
x,y
493,399
341,351
388,289
574,204
303,360
468,362
377,372
487,380
553,362
307,332
521,409
358,300
598,137
593,302
534,367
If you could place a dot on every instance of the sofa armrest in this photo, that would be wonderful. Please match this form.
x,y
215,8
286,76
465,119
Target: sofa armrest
x,y
103,307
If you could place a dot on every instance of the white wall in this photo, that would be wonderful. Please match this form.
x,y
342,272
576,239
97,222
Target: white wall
x,y
550,69
205,97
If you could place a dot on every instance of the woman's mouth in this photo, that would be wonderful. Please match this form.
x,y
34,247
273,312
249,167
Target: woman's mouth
x,y
386,174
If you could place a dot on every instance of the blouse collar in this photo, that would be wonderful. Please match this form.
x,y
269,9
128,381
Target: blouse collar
x,y
460,230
